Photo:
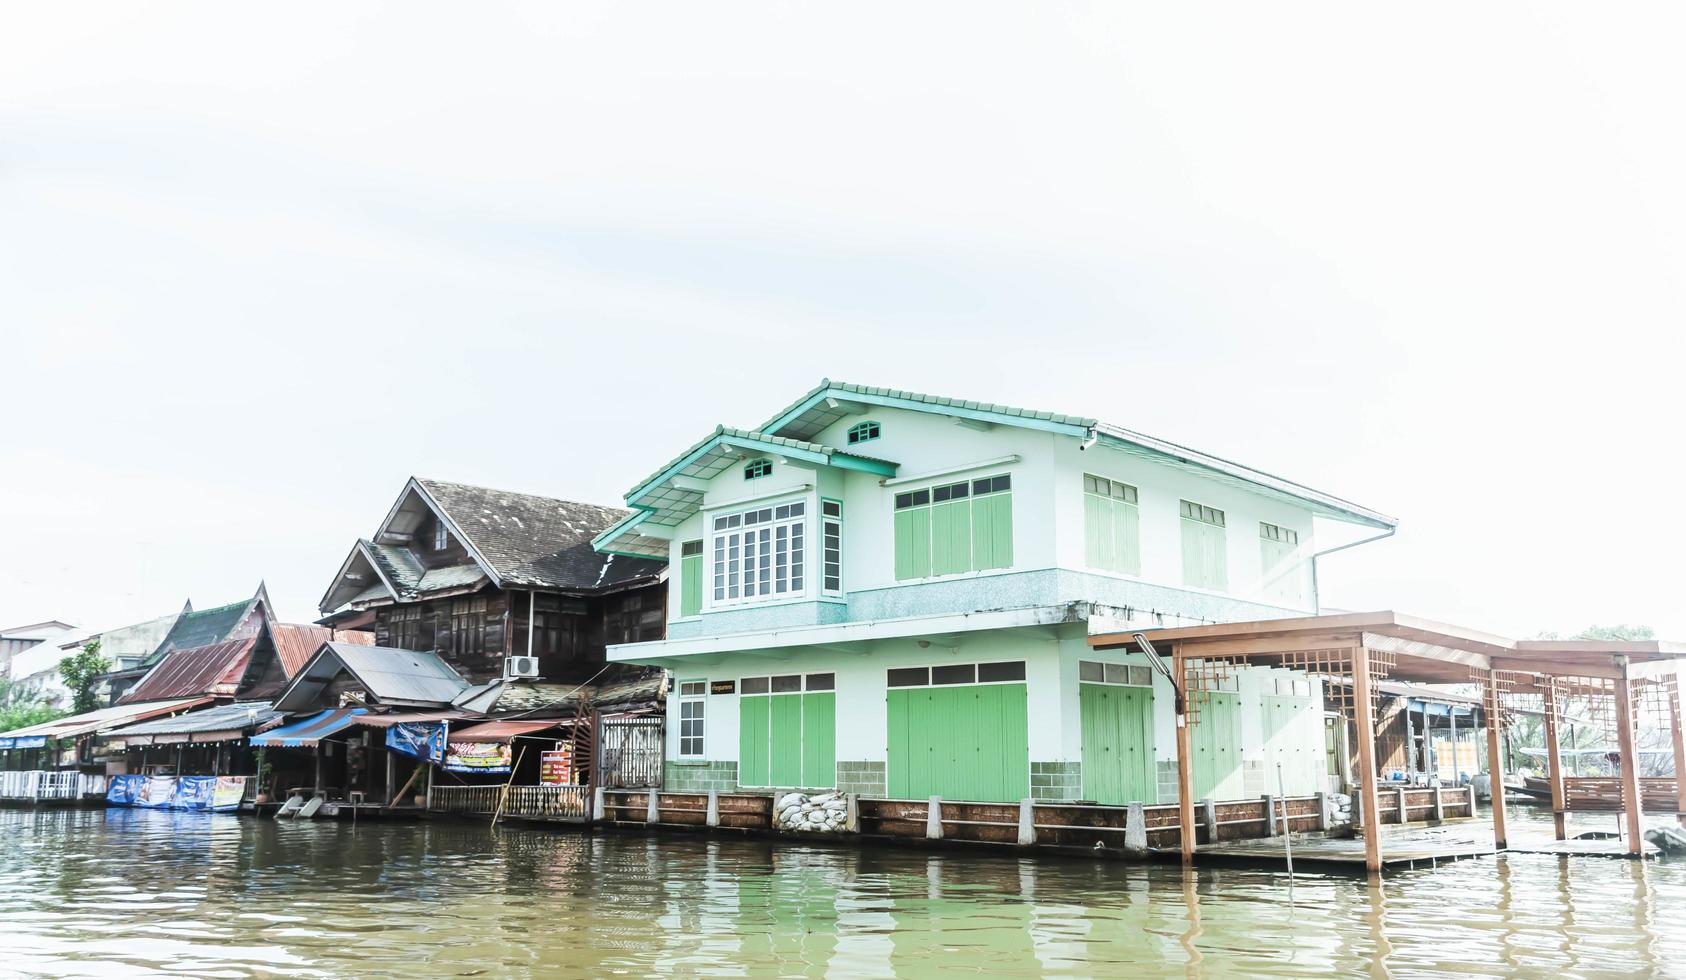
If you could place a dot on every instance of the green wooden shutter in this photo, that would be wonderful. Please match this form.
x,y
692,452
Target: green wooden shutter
x,y
819,740
1126,538
1194,554
754,740
913,543
992,531
1099,541
1217,748
951,537
960,743
690,585
786,753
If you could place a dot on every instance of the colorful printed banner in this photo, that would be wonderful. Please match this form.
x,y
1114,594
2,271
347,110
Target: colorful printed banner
x,y
122,790
156,792
418,740
230,790
487,757
213,793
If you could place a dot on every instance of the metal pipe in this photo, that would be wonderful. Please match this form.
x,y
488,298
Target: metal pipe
x,y
1315,589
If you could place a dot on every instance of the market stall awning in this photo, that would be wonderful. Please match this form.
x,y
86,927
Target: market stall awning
x,y
500,731
408,718
93,721
223,723
306,733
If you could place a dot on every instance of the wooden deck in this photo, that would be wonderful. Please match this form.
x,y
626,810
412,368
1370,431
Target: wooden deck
x,y
1409,847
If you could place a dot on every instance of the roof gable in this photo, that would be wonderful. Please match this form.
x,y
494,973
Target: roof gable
x,y
387,674
203,627
216,670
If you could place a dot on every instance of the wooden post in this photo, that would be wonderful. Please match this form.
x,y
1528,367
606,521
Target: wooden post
x,y
317,788
1679,749
1554,761
1630,762
1452,722
1185,756
1495,760
1410,745
1367,802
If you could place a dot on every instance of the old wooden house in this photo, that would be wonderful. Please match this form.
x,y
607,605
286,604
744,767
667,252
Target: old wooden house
x,y
500,585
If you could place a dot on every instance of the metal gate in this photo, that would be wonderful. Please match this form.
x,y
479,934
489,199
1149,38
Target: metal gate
x,y
629,753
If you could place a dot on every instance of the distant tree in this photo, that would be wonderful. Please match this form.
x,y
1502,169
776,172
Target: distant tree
x,y
80,672
22,706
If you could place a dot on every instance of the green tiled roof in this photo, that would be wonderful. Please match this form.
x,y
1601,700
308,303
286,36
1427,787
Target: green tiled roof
x,y
201,627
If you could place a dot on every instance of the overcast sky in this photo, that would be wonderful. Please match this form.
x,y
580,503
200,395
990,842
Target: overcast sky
x,y
259,265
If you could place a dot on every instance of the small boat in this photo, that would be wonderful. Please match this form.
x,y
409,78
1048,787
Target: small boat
x,y
310,808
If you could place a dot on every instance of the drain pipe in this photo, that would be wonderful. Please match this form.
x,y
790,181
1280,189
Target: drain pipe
x,y
1315,589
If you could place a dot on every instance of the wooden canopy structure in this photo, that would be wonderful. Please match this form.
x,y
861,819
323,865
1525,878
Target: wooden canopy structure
x,y
1613,679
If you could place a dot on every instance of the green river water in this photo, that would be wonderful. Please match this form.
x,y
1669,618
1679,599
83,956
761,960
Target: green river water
x,y
133,893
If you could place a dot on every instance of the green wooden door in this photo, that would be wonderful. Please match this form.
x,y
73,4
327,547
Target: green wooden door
x,y
786,750
1293,740
690,585
819,740
961,743
1117,725
1217,748
755,740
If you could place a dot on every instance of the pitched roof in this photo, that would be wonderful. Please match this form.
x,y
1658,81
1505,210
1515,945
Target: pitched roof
x,y
89,721
534,542
214,669
295,642
229,720
620,687
202,627
388,674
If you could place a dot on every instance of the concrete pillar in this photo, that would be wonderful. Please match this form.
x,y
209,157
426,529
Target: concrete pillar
x,y
1211,811
597,810
652,807
1270,815
712,818
1404,810
1027,822
1322,810
852,817
1135,827
934,818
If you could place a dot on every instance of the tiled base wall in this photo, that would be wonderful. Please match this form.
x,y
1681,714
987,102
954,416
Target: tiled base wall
x,y
1055,781
1253,778
865,778
719,776
1167,780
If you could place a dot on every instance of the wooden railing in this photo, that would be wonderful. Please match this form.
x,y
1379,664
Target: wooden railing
x,y
1604,793
1417,804
527,802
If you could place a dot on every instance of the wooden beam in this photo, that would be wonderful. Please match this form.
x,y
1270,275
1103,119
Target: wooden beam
x,y
1631,800
1369,804
1266,646
1554,764
1185,756
1558,666
1495,761
1679,751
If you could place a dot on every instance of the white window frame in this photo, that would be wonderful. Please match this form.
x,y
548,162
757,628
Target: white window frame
x,y
698,699
726,547
441,536
827,521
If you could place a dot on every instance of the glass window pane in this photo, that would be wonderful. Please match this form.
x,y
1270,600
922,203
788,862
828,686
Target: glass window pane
x,y
754,685
1088,670
954,674
1117,674
822,682
1008,670
1140,677
786,683
908,676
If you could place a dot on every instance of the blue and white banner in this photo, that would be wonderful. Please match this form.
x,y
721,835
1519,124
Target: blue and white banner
x,y
122,790
418,740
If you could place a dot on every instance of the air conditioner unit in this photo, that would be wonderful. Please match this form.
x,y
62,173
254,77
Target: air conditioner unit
x,y
516,667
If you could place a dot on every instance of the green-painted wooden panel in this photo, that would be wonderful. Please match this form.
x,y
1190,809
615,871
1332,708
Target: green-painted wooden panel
x,y
1217,748
1126,538
951,537
819,740
992,531
913,543
1281,571
690,585
786,753
1117,726
754,741
960,743
1099,544
1205,559
1293,736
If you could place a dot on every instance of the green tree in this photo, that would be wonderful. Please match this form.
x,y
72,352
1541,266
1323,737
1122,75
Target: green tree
x,y
21,707
80,672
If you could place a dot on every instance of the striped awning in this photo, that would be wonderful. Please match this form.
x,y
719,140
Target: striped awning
x,y
500,731
306,733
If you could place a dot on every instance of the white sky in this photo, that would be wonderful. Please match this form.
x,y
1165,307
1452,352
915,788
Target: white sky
x,y
258,265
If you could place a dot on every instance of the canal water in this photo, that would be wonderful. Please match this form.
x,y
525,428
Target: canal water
x,y
132,893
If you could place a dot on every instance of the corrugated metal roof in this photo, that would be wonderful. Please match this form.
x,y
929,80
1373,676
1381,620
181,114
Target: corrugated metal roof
x,y
306,733
295,643
93,721
240,716
215,669
391,674
372,720
500,731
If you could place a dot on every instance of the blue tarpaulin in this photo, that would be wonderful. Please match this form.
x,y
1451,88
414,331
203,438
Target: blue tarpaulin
x,y
306,733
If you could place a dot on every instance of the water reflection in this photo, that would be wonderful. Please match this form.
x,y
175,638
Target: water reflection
x,y
137,893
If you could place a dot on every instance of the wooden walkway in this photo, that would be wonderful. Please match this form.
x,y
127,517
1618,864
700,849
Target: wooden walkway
x,y
1407,847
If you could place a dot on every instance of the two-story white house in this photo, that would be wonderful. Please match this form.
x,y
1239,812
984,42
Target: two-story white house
x,y
890,593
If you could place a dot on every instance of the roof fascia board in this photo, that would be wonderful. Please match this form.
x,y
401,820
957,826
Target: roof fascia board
x,y
888,401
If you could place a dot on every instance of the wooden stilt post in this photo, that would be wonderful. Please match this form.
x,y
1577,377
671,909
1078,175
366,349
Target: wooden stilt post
x,y
1452,721
1368,803
1185,756
1631,799
1495,760
1679,749
1554,761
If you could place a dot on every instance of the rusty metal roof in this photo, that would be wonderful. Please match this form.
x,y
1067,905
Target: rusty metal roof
x,y
214,670
295,643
